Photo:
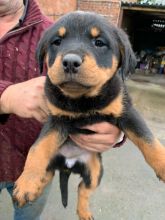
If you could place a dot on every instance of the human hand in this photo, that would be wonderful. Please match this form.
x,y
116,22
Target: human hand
x,y
107,135
26,99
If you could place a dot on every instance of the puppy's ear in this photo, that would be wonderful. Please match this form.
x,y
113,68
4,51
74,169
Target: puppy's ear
x,y
41,53
127,56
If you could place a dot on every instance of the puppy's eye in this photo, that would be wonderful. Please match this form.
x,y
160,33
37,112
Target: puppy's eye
x,y
99,43
57,41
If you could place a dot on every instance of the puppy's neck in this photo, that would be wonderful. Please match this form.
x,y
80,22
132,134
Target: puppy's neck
x,y
84,104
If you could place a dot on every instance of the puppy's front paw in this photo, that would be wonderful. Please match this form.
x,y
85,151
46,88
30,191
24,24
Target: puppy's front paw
x,y
85,216
29,187
160,172
159,164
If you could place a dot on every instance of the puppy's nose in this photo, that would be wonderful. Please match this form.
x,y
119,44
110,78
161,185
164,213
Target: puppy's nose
x,y
71,63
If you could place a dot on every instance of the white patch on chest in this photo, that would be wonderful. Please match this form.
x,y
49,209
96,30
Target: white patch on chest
x,y
70,162
73,153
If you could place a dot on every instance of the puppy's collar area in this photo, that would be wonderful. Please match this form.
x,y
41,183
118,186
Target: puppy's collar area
x,y
109,92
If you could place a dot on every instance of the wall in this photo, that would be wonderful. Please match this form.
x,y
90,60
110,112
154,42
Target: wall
x,y
56,8
110,9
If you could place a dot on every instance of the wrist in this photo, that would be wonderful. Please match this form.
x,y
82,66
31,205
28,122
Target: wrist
x,y
4,112
3,86
5,102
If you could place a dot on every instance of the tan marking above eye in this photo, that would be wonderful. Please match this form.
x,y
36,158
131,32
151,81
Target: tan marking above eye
x,y
62,31
95,32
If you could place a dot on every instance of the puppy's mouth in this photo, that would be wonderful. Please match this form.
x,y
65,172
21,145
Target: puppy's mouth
x,y
73,86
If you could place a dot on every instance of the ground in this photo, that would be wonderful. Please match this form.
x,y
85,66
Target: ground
x,y
129,189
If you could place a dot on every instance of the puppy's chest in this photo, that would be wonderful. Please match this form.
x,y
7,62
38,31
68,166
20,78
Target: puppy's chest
x,y
72,153
73,121
87,108
75,125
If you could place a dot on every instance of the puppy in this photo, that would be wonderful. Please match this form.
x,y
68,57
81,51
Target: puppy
x,y
87,59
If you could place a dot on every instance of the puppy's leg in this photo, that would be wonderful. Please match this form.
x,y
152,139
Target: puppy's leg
x,y
137,131
36,175
91,180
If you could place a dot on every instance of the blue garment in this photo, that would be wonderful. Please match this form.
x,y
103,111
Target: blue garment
x,y
30,211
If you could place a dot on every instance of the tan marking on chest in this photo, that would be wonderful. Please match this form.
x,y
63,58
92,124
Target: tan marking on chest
x,y
115,107
54,110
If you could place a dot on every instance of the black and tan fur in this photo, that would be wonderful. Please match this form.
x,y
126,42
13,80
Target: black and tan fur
x,y
87,59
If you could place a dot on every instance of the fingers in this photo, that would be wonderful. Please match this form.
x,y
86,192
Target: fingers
x,y
40,115
106,137
41,112
95,142
43,109
96,138
103,128
43,105
91,146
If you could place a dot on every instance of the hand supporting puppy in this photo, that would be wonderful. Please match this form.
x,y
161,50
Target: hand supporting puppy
x,y
107,135
26,99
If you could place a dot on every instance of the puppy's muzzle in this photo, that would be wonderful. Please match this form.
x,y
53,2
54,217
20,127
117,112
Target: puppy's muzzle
x,y
71,63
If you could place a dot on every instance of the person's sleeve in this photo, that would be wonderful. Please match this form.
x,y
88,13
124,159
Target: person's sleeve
x,y
3,85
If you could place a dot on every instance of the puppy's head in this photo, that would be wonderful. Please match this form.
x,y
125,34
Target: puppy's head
x,y
82,51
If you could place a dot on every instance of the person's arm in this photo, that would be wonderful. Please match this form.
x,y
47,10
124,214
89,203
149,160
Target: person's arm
x,y
25,99
3,85
107,136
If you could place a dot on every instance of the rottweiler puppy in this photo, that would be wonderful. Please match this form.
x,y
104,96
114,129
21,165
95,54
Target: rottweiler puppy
x,y
87,59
